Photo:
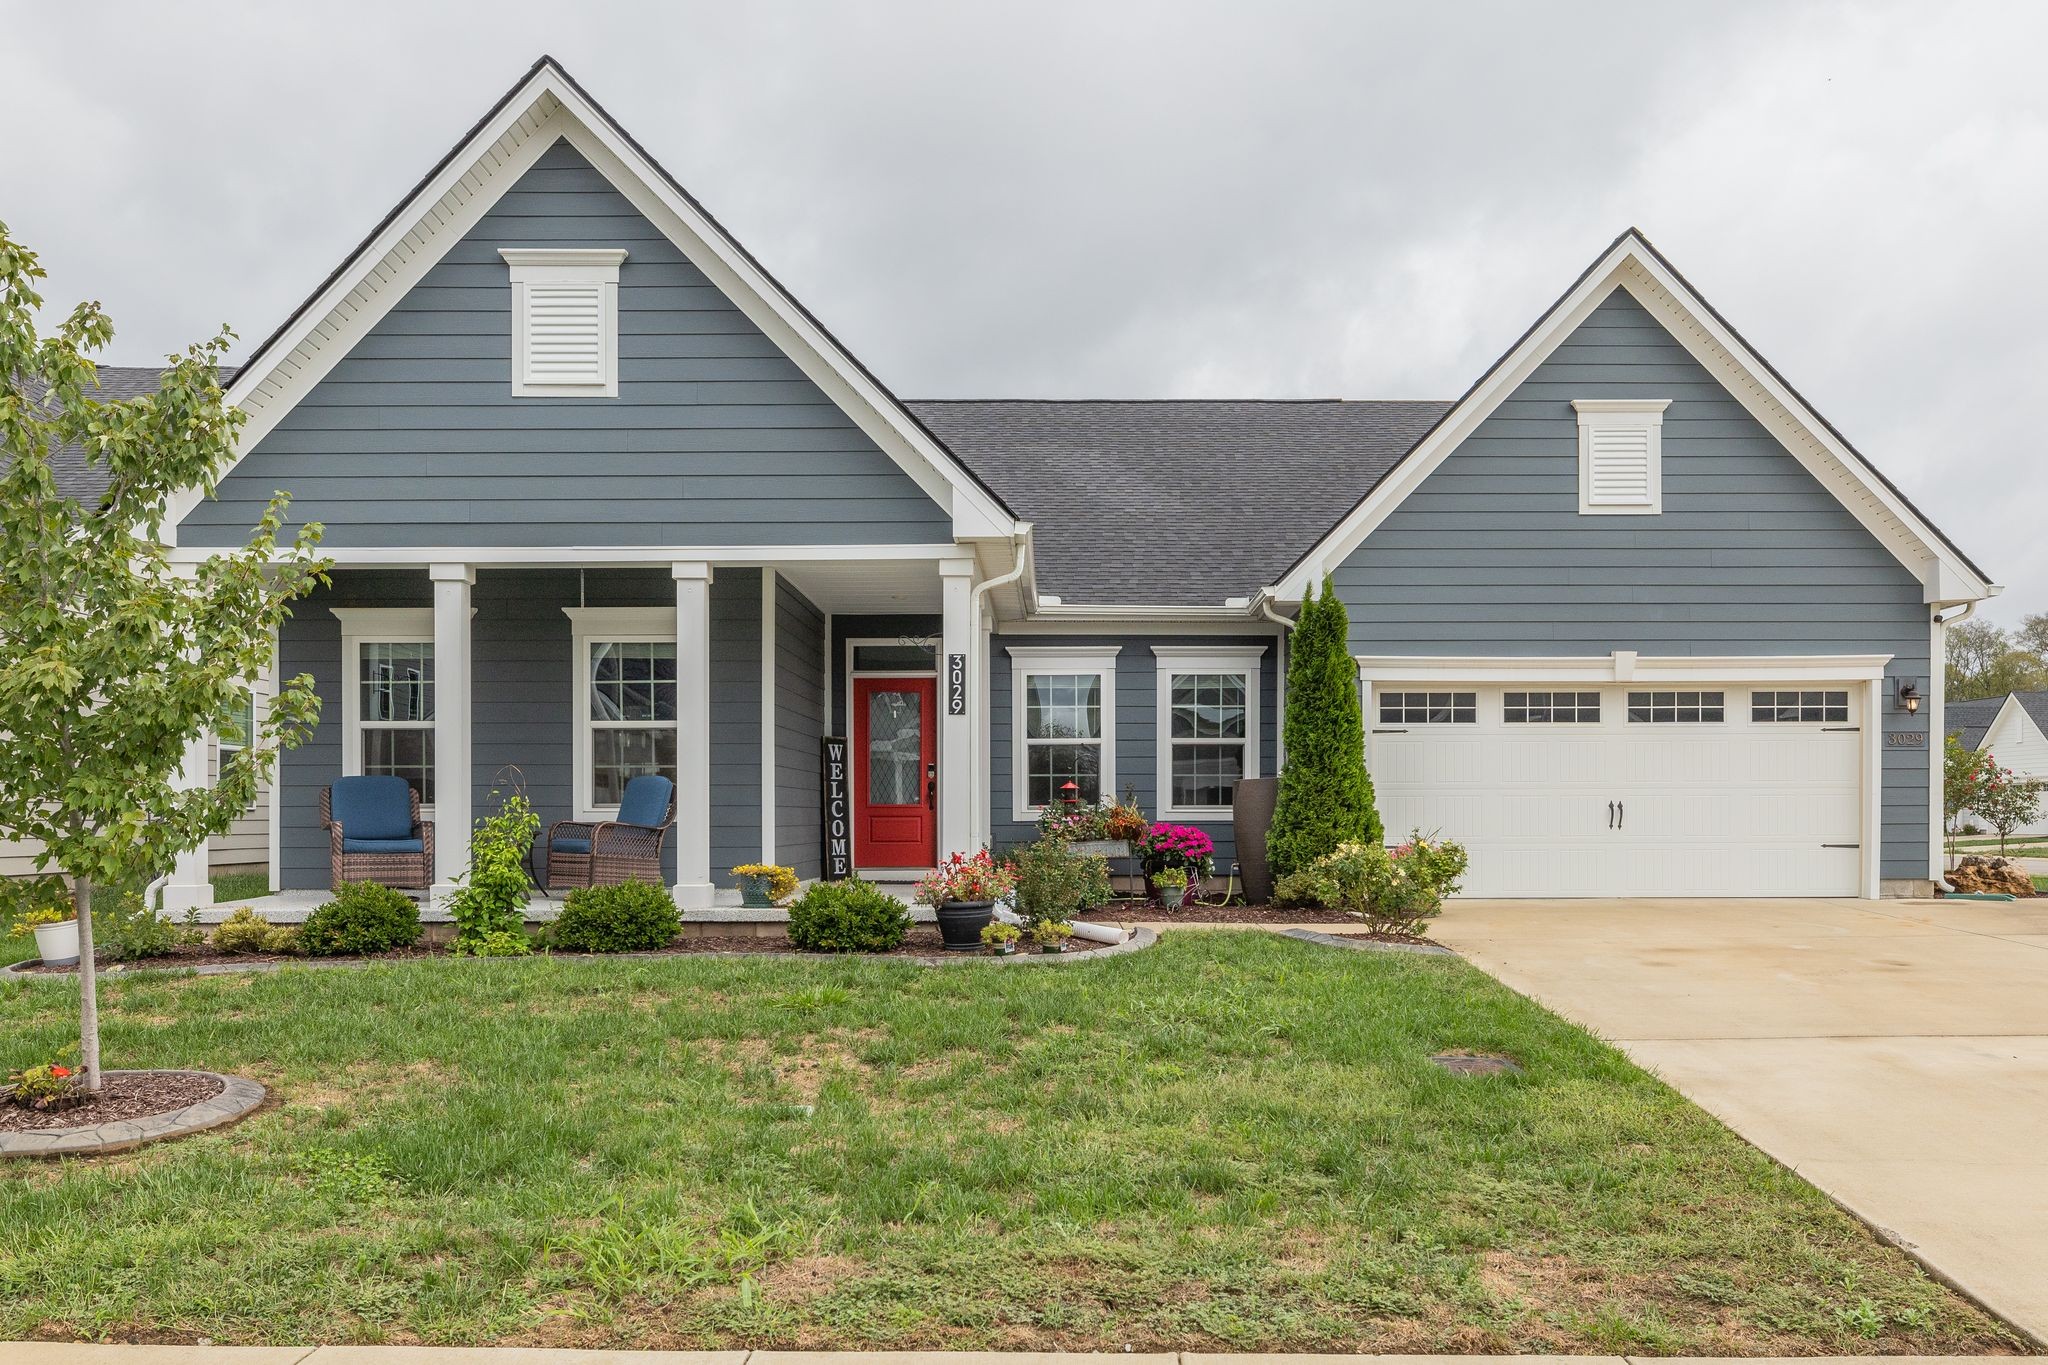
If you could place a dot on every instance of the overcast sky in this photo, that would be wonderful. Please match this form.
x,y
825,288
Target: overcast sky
x,y
1149,200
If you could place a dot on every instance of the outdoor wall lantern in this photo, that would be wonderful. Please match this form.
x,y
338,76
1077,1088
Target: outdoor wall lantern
x,y
1909,696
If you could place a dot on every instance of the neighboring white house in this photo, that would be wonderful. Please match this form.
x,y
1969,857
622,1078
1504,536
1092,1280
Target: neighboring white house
x,y
2013,729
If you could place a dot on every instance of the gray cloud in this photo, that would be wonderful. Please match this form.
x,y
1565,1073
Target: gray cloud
x,y
1176,199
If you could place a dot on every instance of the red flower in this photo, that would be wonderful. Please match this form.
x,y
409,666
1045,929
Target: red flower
x,y
60,1072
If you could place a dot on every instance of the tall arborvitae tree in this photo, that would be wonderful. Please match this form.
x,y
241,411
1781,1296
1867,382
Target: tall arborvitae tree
x,y
112,658
1325,795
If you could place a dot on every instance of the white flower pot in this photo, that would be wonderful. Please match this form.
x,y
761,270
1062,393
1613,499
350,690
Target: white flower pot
x,y
58,943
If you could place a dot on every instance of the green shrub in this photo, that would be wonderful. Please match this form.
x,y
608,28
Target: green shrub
x,y
1325,795
628,918
363,917
491,903
1054,883
126,930
1395,891
245,931
285,940
848,917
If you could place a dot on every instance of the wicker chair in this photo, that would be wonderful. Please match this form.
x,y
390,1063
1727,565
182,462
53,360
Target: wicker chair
x,y
586,853
375,833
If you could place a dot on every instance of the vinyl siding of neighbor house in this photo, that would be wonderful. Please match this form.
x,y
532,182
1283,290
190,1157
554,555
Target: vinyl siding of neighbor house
x,y
246,845
715,438
522,703
1136,726
2016,742
799,726
1750,555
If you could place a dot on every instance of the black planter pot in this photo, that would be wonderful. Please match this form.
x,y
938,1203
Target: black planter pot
x,y
961,923
1251,817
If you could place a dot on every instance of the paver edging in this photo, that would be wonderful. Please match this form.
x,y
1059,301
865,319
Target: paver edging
x,y
1139,940
1367,945
239,1097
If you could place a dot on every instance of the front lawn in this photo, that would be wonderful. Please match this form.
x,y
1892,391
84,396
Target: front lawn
x,y
1230,1140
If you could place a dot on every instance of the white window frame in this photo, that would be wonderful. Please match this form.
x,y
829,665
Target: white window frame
x,y
566,266
611,625
1029,659
1178,659
379,626
1614,414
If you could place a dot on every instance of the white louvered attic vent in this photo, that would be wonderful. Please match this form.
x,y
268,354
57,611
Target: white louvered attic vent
x,y
565,322
1621,455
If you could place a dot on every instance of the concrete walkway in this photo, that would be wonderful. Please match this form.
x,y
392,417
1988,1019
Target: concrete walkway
x,y
40,1353
1894,1053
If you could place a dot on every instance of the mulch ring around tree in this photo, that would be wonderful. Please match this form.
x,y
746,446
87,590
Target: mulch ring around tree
x,y
132,1108
922,945
123,1095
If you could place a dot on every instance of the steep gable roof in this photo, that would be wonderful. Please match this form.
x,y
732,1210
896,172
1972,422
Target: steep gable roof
x,y
1633,264
547,105
1970,721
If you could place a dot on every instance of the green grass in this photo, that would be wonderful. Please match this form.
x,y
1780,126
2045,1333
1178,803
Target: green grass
x,y
240,886
1233,1140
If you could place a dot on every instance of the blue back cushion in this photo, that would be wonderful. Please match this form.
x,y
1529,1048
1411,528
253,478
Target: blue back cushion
x,y
646,800
372,807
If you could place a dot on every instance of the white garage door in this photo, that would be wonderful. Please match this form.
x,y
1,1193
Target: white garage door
x,y
1628,791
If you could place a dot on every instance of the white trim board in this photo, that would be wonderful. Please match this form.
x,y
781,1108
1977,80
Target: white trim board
x,y
1633,264
598,556
1622,666
545,105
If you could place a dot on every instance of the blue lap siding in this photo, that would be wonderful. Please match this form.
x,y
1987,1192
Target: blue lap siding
x,y
1751,555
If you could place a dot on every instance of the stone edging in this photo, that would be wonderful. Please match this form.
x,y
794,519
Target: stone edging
x,y
1367,945
1139,940
238,1097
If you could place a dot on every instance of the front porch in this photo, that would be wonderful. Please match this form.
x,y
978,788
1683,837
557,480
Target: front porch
x,y
564,680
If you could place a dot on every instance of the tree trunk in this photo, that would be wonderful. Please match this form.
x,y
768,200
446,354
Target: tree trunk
x,y
88,988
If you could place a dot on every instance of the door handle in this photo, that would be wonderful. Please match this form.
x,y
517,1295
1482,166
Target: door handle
x,y
931,786
1610,815
1620,815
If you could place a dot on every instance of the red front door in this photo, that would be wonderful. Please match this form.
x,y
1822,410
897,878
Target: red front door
x,y
895,766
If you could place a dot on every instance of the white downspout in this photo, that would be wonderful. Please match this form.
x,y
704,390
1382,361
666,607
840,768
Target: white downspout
x,y
1937,738
983,618
1287,625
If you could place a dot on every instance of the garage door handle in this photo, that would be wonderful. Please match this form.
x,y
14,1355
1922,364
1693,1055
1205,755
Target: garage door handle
x,y
1610,815
1620,815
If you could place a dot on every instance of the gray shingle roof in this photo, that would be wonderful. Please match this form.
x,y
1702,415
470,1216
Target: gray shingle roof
x,y
1969,720
75,477
1176,502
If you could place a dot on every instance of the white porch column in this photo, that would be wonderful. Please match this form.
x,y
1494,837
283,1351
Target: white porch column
x,y
956,732
983,831
693,888
453,781
190,884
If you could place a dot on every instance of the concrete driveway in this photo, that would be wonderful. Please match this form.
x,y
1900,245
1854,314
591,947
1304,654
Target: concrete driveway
x,y
1894,1053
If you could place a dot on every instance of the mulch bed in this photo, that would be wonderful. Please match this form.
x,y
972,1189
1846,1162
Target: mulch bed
x,y
923,942
1118,912
131,1095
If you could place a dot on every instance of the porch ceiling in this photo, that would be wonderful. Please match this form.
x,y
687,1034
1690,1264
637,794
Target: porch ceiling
x,y
866,586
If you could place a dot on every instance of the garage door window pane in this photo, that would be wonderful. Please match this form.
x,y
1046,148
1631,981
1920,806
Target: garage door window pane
x,y
1550,708
1429,708
1822,707
1676,708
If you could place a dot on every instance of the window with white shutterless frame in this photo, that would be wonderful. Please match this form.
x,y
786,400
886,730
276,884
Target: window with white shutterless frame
x,y
565,321
387,695
1062,725
1621,455
625,696
1207,734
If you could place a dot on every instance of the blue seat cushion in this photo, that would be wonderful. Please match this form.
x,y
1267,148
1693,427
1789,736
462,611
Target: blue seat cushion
x,y
646,800
349,845
372,807
570,843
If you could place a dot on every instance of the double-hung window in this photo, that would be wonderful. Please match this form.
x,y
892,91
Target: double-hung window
x,y
625,700
1063,726
387,660
1208,727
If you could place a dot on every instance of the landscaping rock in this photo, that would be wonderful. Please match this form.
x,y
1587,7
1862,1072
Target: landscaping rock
x,y
1998,875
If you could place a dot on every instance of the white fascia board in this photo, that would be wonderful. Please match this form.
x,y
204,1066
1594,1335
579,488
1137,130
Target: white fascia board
x,y
544,107
1634,266
594,556
1624,667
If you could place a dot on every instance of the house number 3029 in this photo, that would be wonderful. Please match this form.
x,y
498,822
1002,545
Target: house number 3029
x,y
1905,739
956,684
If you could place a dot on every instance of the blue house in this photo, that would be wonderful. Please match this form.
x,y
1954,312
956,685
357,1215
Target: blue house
x,y
603,499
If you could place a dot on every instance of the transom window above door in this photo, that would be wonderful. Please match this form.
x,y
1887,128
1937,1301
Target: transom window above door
x,y
1063,710
1550,708
1822,706
1429,708
1208,719
1675,708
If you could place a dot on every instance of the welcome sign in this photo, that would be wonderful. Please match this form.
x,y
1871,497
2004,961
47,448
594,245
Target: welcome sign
x,y
838,813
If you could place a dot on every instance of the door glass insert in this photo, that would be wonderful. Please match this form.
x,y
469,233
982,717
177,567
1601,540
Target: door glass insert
x,y
895,749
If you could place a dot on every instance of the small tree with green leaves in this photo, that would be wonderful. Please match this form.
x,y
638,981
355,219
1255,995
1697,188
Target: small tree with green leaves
x,y
1325,794
1963,775
113,658
2007,801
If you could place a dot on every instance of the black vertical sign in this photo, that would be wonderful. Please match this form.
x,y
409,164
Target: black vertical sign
x,y
956,684
838,813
